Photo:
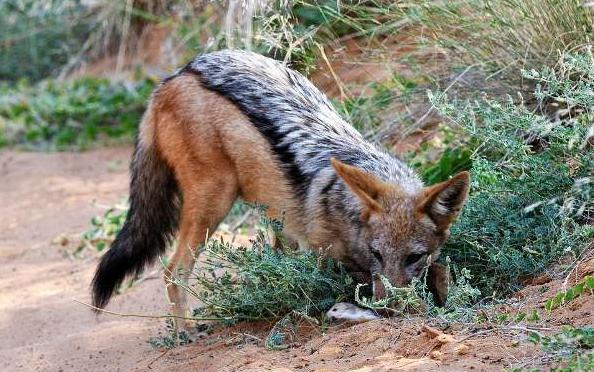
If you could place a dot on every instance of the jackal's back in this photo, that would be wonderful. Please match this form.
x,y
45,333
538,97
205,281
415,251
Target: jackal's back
x,y
298,121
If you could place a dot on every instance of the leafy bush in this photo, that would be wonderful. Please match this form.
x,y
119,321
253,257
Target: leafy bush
x,y
71,114
531,194
258,283
416,298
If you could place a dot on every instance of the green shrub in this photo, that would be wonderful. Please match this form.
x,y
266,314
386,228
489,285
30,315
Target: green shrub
x,y
71,114
259,283
104,229
531,195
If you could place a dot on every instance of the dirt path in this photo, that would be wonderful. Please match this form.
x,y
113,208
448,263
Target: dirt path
x,y
41,328
43,196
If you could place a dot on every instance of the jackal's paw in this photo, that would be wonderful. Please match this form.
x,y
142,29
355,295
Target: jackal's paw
x,y
344,311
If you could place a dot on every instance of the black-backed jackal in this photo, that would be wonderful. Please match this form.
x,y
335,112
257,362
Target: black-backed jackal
x,y
236,124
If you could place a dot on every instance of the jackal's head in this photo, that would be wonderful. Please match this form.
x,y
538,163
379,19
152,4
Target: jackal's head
x,y
401,233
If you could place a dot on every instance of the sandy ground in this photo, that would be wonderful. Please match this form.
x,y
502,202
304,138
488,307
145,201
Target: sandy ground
x,y
43,196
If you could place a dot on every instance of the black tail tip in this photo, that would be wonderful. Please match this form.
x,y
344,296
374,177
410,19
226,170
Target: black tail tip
x,y
101,292
111,272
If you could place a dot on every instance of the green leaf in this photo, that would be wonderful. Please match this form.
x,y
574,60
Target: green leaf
x,y
589,281
534,316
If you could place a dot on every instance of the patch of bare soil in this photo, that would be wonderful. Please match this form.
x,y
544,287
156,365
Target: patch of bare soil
x,y
43,196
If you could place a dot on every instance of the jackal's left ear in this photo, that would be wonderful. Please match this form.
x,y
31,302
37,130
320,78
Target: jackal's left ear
x,y
443,202
368,188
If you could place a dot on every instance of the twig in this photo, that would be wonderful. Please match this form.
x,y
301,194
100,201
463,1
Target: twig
x,y
149,366
583,256
482,332
341,88
143,315
240,222
426,114
247,335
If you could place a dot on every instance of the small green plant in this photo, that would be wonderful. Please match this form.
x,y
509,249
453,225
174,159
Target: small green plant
x,y
572,293
573,347
172,337
397,300
578,363
72,114
104,228
284,331
462,295
415,298
259,282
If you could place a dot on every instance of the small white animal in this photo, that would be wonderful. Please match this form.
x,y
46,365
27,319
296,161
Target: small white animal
x,y
349,312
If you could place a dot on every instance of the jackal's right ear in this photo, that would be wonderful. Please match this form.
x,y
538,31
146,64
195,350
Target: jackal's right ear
x,y
365,186
443,202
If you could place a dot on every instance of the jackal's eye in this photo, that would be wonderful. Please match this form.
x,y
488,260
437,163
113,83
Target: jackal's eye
x,y
413,258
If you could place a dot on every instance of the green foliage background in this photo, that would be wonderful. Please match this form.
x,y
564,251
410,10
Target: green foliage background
x,y
71,114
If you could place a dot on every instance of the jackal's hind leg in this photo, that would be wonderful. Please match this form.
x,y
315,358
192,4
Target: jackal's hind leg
x,y
205,203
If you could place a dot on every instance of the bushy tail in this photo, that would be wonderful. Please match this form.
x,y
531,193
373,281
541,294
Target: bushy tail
x,y
150,224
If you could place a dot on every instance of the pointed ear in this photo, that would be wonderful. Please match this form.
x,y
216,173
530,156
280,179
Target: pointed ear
x,y
365,186
443,202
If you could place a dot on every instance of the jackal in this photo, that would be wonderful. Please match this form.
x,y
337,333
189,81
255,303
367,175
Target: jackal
x,y
236,124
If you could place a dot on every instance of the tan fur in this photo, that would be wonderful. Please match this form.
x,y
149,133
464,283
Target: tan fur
x,y
431,195
438,282
206,140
